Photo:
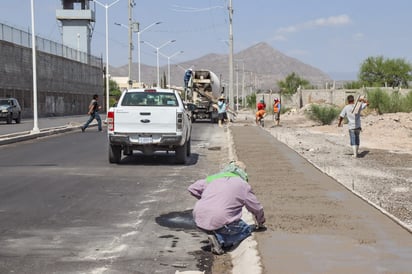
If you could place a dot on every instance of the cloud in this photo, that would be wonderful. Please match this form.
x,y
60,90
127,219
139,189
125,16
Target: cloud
x,y
279,38
358,36
331,21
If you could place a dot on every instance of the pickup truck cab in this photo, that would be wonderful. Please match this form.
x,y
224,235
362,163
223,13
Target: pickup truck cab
x,y
149,120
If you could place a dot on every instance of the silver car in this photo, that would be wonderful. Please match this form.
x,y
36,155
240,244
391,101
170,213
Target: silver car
x,y
10,110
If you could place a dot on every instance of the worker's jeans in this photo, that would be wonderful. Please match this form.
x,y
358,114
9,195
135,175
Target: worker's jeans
x,y
354,136
233,233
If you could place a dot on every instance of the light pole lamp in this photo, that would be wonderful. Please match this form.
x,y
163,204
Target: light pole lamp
x,y
138,42
157,55
168,64
106,6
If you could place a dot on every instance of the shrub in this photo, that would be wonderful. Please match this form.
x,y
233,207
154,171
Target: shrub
x,y
323,114
395,102
353,85
407,102
382,102
284,110
251,100
378,100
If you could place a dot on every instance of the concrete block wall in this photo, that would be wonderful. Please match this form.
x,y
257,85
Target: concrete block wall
x,y
64,86
304,97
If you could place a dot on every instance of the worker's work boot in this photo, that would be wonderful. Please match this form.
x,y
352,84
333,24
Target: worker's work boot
x,y
215,245
355,151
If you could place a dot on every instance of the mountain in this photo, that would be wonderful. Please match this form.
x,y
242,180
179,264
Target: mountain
x,y
263,66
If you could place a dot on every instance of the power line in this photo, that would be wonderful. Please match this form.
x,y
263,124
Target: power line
x,y
191,9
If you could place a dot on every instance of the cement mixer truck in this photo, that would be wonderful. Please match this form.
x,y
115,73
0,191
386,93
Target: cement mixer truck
x,y
202,93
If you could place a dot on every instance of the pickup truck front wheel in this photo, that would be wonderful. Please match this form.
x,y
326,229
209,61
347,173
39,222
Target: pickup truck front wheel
x,y
181,154
115,154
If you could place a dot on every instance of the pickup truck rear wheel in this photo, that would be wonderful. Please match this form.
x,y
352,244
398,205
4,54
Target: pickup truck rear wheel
x,y
189,149
181,154
115,154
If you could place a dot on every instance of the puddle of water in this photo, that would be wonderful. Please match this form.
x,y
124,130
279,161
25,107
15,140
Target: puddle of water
x,y
182,220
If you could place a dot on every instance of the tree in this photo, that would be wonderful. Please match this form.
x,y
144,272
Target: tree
x,y
291,83
114,89
251,100
114,92
378,71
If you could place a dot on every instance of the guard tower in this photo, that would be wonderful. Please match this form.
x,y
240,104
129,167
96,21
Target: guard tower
x,y
77,24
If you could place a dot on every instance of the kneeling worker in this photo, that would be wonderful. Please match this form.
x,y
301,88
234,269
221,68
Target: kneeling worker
x,y
218,210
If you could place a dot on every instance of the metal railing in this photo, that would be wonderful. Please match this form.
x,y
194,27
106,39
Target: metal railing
x,y
23,38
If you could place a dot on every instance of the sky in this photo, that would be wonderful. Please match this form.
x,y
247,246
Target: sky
x,y
333,36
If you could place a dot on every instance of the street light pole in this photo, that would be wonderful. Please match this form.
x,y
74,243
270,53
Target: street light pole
x,y
138,43
130,82
237,81
230,55
243,85
33,45
168,63
237,87
157,55
106,6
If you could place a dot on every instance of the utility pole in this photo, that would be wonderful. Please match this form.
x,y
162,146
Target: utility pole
x,y
243,85
131,4
231,98
237,86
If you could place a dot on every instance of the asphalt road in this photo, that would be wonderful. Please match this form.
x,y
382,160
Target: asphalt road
x,y
43,123
65,209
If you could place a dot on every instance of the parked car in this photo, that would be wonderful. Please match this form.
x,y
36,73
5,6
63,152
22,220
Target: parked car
x,y
10,110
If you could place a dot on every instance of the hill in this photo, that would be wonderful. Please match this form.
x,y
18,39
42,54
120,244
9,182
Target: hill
x,y
263,66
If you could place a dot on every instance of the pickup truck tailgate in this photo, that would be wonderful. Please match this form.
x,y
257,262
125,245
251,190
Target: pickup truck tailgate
x,y
145,120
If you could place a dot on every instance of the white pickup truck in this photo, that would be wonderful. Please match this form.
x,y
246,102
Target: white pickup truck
x,y
149,120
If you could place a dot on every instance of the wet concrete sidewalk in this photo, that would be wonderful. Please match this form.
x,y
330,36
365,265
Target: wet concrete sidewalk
x,y
315,225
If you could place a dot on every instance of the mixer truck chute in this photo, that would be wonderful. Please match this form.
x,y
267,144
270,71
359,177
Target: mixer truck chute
x,y
203,92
